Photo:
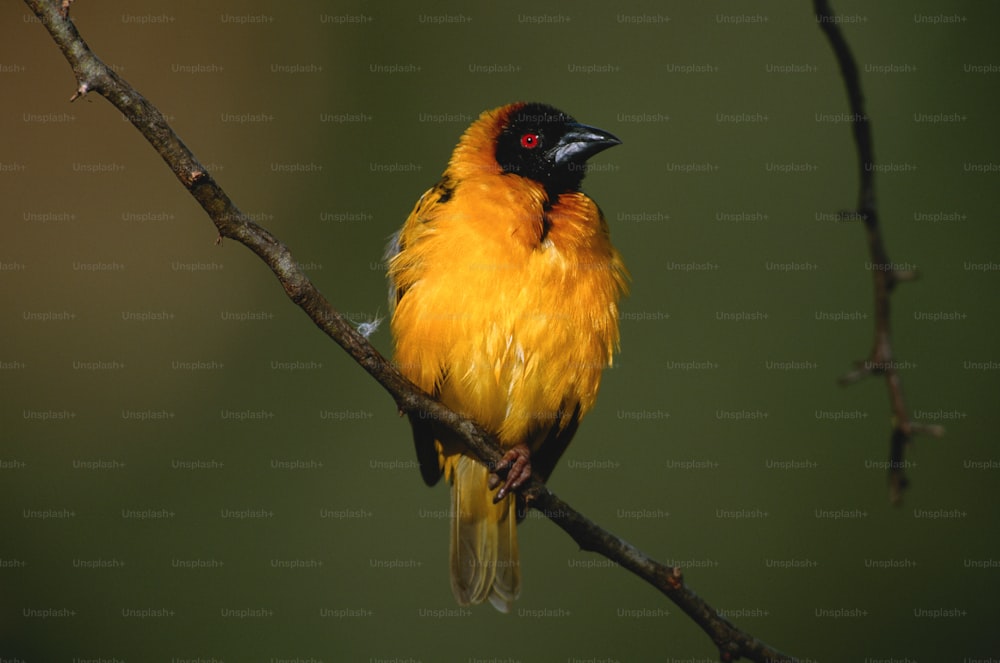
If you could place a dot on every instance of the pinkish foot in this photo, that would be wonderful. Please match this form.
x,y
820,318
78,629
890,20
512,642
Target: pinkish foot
x,y
513,470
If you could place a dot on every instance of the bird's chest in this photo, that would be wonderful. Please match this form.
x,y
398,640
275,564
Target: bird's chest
x,y
510,315
519,336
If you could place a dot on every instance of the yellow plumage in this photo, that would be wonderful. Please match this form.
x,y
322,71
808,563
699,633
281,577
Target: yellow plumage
x,y
508,312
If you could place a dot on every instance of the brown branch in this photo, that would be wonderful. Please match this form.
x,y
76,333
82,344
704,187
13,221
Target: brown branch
x,y
93,75
885,274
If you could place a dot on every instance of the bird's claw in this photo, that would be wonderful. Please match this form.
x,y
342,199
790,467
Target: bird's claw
x,y
513,470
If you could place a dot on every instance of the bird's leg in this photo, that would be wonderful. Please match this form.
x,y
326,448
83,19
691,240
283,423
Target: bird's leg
x,y
511,472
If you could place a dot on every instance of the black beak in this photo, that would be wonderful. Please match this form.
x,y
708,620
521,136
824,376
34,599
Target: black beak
x,y
580,143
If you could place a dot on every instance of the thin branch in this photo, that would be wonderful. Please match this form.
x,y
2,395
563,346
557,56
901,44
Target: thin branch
x,y
93,76
885,274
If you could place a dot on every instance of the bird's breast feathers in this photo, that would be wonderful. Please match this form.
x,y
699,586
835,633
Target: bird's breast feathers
x,y
508,306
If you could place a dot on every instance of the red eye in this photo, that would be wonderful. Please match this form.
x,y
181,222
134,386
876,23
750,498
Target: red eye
x,y
529,141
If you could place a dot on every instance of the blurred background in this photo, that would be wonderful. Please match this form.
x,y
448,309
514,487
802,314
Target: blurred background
x,y
191,471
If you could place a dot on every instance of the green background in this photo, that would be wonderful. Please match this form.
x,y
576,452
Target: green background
x,y
87,253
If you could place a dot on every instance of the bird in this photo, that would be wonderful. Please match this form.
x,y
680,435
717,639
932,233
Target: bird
x,y
505,291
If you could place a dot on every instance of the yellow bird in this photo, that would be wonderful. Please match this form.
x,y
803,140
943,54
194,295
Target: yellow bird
x,y
505,288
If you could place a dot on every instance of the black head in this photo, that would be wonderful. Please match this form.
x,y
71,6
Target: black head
x,y
549,146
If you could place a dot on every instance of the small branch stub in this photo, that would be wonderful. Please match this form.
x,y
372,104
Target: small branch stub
x,y
80,91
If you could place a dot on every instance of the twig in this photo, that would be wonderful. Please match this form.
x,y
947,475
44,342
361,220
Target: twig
x,y
93,76
885,274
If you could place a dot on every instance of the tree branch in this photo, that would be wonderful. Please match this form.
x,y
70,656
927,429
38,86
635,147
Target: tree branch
x,y
886,275
93,75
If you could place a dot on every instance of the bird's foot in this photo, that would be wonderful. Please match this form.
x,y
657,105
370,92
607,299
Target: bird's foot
x,y
513,470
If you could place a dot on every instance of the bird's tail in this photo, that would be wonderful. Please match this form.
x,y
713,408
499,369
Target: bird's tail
x,y
484,557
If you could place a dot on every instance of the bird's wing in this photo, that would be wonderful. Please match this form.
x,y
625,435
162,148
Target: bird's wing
x,y
544,459
424,212
400,277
